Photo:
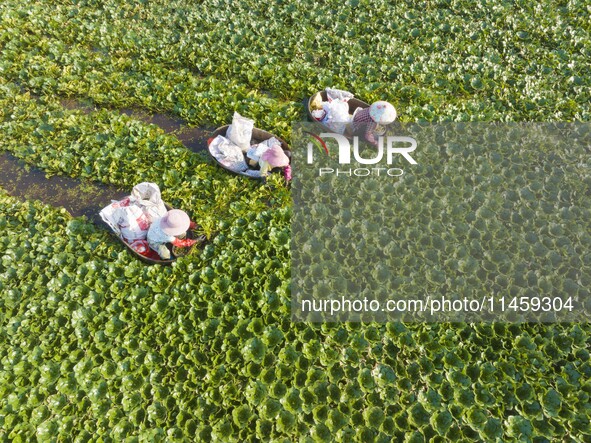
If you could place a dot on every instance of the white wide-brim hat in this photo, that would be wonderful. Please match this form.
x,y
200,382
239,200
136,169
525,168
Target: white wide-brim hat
x,y
175,222
382,112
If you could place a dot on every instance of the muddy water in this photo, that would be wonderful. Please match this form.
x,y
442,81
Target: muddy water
x,y
78,197
83,197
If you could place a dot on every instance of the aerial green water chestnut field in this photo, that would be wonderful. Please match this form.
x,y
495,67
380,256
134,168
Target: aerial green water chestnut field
x,y
97,346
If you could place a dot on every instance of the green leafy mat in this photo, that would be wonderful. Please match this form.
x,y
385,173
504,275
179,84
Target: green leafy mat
x,y
445,60
96,345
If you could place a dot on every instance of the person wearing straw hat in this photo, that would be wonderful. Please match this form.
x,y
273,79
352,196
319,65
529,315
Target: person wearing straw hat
x,y
379,113
167,229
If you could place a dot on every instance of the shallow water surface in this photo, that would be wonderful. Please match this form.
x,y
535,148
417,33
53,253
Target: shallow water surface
x,y
79,197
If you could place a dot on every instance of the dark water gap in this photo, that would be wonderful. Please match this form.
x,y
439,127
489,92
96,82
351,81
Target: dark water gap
x,y
82,197
79,197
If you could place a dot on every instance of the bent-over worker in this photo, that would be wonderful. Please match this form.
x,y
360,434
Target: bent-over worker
x,y
167,229
379,113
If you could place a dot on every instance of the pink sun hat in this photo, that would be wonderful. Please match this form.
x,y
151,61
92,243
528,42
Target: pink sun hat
x,y
275,157
175,222
382,112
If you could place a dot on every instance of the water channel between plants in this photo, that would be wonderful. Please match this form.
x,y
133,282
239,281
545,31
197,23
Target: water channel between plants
x,y
85,197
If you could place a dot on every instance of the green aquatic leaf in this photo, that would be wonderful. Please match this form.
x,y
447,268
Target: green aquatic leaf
x,y
241,416
551,403
520,428
418,416
59,276
492,429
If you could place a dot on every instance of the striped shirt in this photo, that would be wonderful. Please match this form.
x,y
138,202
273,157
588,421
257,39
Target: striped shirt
x,y
361,118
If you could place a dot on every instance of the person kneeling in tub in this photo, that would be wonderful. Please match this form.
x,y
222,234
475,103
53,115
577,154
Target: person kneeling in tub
x,y
379,113
167,229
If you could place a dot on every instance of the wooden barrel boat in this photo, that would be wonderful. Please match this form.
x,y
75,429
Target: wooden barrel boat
x,y
353,103
258,136
154,258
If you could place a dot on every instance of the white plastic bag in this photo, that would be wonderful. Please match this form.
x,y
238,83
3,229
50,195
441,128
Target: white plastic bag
x,y
337,115
255,151
110,216
240,131
131,217
338,94
133,223
228,154
126,219
319,114
147,196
